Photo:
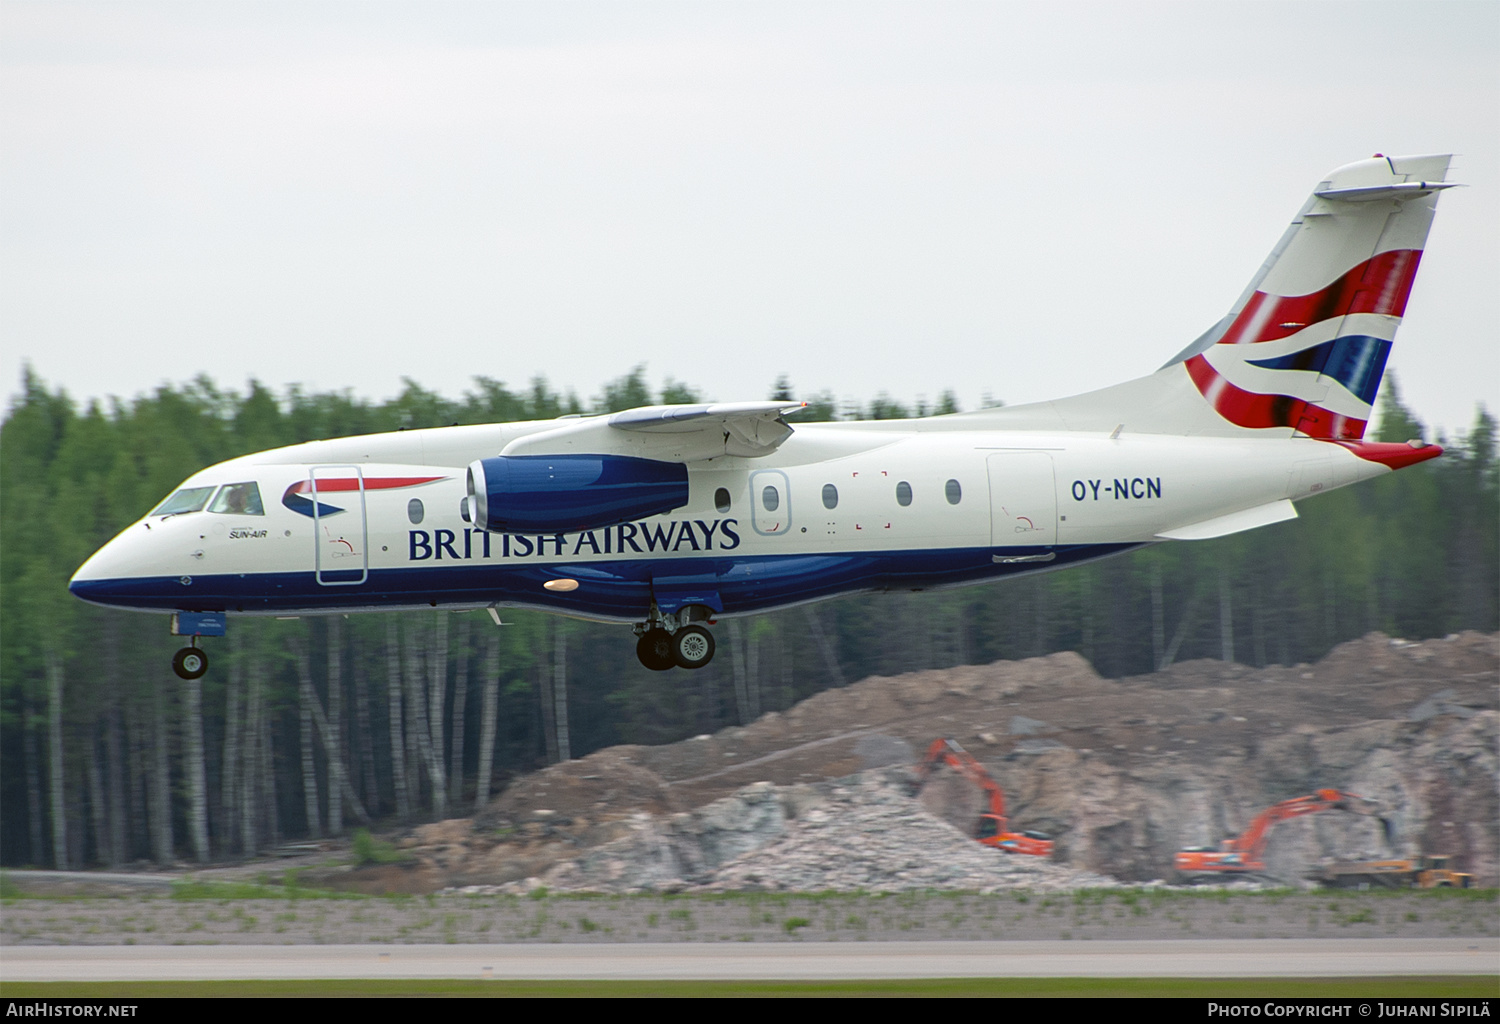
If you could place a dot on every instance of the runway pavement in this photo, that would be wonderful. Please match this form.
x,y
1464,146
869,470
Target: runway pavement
x,y
763,961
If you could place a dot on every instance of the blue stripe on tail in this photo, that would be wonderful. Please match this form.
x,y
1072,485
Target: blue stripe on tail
x,y
1356,361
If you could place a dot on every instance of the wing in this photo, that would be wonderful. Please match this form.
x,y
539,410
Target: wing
x,y
669,433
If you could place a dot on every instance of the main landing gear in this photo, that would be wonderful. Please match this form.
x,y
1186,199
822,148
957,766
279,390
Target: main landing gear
x,y
675,640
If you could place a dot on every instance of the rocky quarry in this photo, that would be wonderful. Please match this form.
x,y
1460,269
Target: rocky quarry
x,y
1121,772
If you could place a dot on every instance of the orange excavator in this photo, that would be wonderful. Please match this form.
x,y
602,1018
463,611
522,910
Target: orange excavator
x,y
994,829
1242,854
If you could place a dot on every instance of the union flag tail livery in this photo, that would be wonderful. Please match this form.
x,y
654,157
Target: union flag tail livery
x,y
670,517
1304,349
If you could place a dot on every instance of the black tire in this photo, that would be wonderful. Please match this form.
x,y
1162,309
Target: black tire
x,y
190,663
654,648
692,647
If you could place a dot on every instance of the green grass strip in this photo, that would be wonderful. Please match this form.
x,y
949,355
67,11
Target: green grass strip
x,y
1457,986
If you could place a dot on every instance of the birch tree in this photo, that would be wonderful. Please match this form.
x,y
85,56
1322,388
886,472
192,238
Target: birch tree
x,y
305,698
231,767
487,721
334,740
460,703
560,691
97,805
250,777
161,777
395,714
419,730
437,687
55,759
197,777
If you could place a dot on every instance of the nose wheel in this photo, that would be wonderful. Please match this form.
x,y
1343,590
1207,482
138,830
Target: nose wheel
x,y
190,663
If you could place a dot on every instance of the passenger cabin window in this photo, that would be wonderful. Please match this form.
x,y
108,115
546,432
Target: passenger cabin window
x,y
414,511
903,494
771,499
721,499
189,499
239,500
830,496
954,492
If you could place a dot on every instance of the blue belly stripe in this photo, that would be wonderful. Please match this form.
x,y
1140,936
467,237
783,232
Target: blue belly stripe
x,y
611,590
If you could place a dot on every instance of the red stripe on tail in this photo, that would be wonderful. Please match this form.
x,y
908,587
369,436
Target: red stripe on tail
x,y
1248,409
1380,284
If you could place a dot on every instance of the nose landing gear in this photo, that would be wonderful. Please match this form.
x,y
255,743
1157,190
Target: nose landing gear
x,y
675,640
190,662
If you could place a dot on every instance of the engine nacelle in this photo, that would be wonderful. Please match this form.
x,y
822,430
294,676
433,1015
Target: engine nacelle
x,y
567,493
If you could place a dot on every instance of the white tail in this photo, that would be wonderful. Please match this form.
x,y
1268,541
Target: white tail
x,y
1303,350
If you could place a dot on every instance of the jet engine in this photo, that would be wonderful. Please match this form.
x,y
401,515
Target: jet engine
x,y
567,493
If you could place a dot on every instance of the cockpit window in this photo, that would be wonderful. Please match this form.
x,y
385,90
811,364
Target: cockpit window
x,y
189,499
239,500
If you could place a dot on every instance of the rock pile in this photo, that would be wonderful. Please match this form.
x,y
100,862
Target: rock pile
x,y
1121,772
863,833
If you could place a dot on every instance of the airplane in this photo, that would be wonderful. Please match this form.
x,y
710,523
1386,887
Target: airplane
x,y
670,517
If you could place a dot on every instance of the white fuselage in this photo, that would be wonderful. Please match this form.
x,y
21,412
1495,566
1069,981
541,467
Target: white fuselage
x,y
836,508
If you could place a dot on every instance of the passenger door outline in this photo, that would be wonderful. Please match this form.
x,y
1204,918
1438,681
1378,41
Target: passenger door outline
x,y
332,545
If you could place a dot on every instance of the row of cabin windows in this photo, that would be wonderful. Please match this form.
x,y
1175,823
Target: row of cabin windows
x,y
770,498
244,499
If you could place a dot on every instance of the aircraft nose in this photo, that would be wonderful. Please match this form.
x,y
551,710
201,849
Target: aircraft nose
x,y
106,576
92,582
93,591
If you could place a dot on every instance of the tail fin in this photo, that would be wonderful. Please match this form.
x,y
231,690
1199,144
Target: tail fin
x,y
1306,345
1304,348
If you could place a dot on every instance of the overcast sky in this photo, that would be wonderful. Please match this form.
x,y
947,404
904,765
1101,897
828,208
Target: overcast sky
x,y
1019,200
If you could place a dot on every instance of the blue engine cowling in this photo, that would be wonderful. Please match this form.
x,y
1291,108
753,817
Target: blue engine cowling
x,y
566,493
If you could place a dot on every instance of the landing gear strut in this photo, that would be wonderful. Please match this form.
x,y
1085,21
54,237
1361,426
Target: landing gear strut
x,y
668,640
190,662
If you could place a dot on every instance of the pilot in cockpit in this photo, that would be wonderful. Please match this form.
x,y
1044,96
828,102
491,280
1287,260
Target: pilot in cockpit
x,y
240,500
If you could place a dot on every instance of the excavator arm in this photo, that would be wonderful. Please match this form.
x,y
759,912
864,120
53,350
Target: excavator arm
x,y
994,827
1243,853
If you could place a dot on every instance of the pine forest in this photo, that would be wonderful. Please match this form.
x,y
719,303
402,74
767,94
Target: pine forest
x,y
309,728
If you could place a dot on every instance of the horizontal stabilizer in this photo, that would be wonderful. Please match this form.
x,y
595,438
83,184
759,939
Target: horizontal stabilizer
x,y
1235,522
1399,190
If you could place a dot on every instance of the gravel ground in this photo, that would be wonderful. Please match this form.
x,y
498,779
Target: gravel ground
x,y
761,917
